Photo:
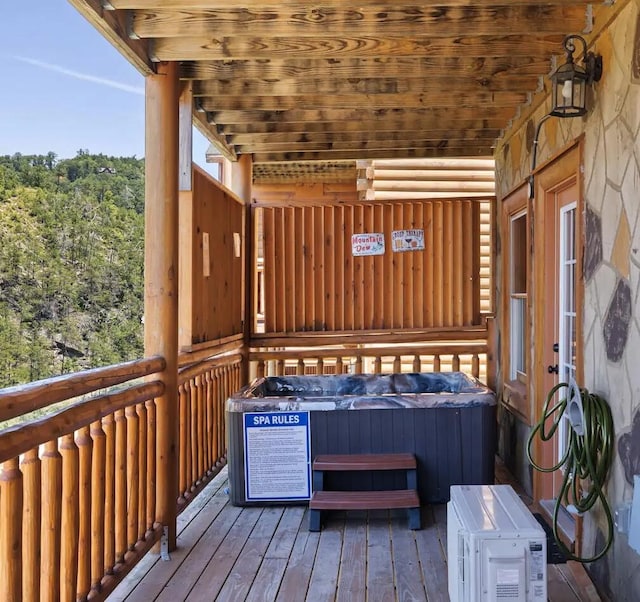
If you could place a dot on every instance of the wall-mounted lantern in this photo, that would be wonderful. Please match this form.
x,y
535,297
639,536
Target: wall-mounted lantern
x,y
569,82
568,90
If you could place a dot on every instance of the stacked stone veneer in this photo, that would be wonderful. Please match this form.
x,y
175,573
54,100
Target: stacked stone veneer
x,y
611,327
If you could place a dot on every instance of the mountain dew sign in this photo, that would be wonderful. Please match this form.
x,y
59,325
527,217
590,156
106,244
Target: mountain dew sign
x,y
407,240
367,244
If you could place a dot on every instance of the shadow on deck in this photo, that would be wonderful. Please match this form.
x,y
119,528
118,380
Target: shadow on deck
x,y
227,553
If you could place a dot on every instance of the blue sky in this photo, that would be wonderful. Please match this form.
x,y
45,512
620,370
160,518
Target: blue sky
x,y
64,87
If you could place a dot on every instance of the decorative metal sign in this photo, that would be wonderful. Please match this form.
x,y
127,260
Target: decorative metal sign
x,y
277,452
407,240
367,244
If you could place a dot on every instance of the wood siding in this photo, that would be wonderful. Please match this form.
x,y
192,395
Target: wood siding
x,y
313,282
217,270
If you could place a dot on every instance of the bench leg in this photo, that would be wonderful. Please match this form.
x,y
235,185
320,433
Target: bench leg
x,y
414,518
412,479
317,481
315,520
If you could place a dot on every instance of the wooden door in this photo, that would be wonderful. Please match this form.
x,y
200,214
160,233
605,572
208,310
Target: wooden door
x,y
559,299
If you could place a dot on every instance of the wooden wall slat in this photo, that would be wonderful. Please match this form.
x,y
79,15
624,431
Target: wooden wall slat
x,y
300,279
397,290
329,268
437,263
378,271
290,280
348,268
418,271
268,244
342,250
447,264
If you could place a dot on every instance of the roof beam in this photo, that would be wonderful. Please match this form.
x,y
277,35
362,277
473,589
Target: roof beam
x,y
249,47
396,67
372,116
302,5
394,20
372,154
303,86
361,136
365,127
437,98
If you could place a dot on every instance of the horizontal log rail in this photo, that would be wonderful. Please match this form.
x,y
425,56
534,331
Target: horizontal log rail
x,y
22,399
467,356
467,333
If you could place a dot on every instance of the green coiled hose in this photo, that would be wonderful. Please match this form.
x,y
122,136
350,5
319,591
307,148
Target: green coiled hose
x,y
586,461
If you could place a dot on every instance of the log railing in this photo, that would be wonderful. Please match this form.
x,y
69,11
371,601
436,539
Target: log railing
x,y
203,389
78,488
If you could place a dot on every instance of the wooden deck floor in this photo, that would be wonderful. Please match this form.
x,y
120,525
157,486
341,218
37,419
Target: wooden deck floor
x,y
267,554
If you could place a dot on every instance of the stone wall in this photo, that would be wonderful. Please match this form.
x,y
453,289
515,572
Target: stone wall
x,y
611,327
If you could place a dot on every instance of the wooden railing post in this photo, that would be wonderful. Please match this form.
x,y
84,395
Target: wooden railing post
x,y
11,532
161,276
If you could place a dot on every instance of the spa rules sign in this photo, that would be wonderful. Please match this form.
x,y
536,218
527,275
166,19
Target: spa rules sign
x,y
277,452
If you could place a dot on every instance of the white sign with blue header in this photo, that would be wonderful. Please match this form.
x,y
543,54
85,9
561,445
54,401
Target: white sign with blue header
x,y
277,452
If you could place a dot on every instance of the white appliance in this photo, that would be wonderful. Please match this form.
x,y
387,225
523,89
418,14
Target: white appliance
x,y
497,551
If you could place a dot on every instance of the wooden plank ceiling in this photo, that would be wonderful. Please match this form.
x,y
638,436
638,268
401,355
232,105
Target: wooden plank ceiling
x,y
333,80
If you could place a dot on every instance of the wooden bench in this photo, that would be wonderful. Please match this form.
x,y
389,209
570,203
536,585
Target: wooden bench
x,y
364,500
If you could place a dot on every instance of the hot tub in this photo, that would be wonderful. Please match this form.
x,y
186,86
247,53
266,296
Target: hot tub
x,y
447,419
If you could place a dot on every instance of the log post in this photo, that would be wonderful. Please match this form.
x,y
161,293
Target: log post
x,y
241,181
161,276
11,532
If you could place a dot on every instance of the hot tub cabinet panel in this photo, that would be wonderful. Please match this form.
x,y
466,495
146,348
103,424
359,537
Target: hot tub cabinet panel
x,y
448,420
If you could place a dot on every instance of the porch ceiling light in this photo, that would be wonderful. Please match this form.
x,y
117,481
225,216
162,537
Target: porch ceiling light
x,y
569,82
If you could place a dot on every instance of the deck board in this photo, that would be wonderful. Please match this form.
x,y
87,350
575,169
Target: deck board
x,y
228,553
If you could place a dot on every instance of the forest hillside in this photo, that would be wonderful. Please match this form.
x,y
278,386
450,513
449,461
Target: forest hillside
x,y
71,263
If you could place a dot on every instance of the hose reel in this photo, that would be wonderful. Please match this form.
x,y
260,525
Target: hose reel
x,y
587,458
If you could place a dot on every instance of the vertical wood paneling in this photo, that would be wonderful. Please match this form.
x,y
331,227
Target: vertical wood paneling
x,y
217,302
313,282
